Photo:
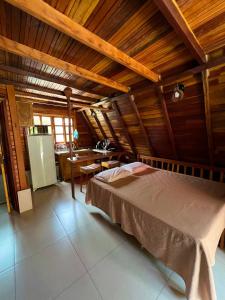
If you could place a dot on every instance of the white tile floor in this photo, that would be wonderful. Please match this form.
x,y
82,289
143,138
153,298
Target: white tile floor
x,y
65,250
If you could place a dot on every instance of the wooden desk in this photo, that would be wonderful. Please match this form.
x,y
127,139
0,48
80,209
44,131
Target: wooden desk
x,y
87,158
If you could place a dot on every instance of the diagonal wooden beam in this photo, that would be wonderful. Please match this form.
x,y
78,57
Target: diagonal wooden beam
x,y
45,90
175,17
47,14
94,134
112,131
48,77
99,124
90,129
124,127
25,51
143,129
210,64
159,90
208,120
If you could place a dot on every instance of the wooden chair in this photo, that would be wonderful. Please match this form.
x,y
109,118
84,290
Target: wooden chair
x,y
86,171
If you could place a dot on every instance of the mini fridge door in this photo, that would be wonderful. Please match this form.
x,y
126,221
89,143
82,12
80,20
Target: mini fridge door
x,y
42,160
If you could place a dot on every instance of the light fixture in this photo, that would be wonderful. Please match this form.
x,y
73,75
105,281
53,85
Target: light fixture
x,y
178,92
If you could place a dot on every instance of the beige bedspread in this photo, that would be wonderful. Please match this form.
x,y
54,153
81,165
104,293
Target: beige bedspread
x,y
177,218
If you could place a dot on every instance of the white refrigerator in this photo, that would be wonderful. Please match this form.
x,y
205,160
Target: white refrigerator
x,y
42,160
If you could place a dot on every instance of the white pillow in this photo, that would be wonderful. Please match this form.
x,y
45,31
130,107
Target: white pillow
x,y
136,167
112,175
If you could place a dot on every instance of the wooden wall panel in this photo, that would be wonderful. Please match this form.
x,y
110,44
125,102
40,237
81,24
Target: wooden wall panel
x,y
217,102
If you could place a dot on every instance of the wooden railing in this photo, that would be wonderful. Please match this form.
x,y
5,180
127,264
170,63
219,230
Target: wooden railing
x,y
193,169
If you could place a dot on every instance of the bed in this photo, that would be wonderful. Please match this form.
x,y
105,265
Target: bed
x,y
178,218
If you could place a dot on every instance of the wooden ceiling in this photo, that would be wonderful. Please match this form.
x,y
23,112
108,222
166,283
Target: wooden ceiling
x,y
146,48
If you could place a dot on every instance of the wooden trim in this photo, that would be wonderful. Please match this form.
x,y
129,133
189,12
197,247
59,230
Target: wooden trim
x,y
175,17
68,94
112,131
208,121
124,127
51,78
99,124
167,119
16,133
25,51
47,14
144,130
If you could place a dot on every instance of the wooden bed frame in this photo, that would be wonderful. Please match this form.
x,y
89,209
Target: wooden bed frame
x,y
193,169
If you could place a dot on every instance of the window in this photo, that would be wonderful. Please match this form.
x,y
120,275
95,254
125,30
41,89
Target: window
x,y
58,126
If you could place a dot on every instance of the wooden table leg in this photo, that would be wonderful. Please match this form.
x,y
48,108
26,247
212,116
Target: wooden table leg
x,y
72,182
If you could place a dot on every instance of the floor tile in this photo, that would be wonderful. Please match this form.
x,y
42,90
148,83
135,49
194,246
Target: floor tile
x,y
33,239
174,290
7,252
128,274
45,275
219,274
74,218
7,285
83,289
94,242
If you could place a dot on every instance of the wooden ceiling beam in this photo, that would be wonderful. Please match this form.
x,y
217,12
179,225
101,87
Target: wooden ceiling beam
x,y
55,100
94,134
124,127
208,120
159,90
99,124
35,87
143,129
25,51
112,131
176,19
51,16
210,64
50,78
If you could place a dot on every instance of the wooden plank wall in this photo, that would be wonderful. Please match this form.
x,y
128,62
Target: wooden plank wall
x,y
217,107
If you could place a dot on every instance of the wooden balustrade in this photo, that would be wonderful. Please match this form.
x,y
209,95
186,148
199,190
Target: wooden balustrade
x,y
193,169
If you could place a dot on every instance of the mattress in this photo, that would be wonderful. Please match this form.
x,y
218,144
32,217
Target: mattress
x,y
178,218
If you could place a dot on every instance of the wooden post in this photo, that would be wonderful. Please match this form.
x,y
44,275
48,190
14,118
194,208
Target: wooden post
x,y
146,135
208,121
167,119
99,124
124,126
16,134
68,93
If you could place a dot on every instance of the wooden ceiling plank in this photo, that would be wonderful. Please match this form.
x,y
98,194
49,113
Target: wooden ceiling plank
x,y
208,120
175,18
112,131
47,14
124,127
99,124
159,90
49,78
143,129
25,51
